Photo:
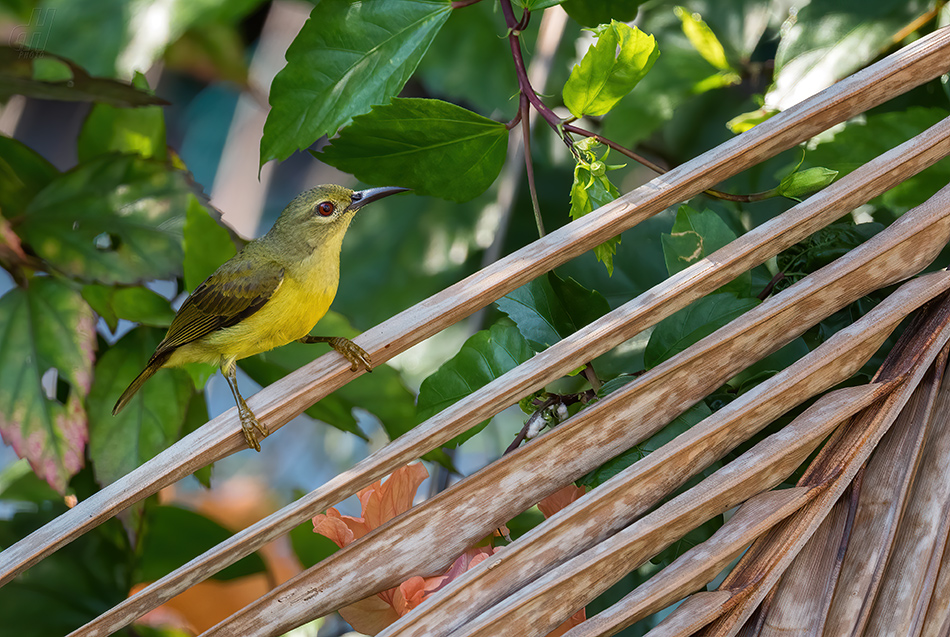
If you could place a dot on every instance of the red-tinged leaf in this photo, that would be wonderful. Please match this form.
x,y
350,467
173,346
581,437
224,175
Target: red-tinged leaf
x,y
47,347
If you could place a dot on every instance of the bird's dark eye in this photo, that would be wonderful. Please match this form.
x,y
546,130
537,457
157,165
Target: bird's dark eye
x,y
325,208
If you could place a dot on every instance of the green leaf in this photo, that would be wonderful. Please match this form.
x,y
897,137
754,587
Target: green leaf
x,y
823,247
484,357
702,37
550,308
125,130
26,72
696,235
116,219
679,425
206,244
693,323
23,173
537,5
829,39
381,393
591,13
46,331
174,536
860,142
150,422
610,69
588,194
310,547
348,57
136,304
431,146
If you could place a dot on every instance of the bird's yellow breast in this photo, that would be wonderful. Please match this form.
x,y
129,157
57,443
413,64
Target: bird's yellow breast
x,y
304,296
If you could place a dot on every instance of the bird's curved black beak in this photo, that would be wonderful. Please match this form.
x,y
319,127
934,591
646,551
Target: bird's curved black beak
x,y
362,197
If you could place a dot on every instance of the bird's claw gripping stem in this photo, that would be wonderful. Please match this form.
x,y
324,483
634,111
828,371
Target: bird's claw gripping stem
x,y
248,424
347,348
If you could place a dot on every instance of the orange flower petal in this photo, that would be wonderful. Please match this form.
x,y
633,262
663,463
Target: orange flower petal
x,y
392,497
369,616
560,499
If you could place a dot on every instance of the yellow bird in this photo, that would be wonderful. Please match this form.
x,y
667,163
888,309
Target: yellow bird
x,y
271,293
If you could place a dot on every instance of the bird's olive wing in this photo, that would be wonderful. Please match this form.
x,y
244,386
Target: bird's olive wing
x,y
235,291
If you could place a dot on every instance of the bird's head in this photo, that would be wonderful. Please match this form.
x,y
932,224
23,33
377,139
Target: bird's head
x,y
327,210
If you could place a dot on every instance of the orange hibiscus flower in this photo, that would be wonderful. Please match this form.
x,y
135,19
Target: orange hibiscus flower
x,y
382,502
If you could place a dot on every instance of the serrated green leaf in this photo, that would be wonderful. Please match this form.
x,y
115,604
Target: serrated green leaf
x,y
23,173
347,57
110,129
696,235
381,393
702,37
829,39
206,245
586,196
609,70
693,323
591,13
435,148
116,219
174,536
46,330
149,423
550,308
484,357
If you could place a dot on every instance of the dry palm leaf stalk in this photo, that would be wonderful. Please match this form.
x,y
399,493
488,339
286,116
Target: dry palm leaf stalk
x,y
597,338
430,536
917,63
831,473
909,245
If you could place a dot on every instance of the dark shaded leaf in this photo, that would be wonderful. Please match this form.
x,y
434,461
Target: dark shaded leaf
x,y
693,323
550,308
695,236
484,357
431,146
71,84
23,173
175,535
590,13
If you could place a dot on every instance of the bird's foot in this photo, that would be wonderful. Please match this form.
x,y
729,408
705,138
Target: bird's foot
x,y
350,350
248,425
